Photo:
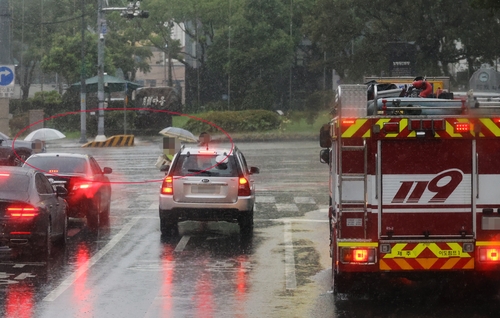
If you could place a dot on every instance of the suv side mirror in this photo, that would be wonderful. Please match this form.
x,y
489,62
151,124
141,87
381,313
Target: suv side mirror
x,y
324,156
254,170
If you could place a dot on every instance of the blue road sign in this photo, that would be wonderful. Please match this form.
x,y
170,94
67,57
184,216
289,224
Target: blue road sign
x,y
6,76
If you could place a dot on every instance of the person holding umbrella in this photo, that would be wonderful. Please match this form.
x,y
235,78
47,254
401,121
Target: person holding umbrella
x,y
169,148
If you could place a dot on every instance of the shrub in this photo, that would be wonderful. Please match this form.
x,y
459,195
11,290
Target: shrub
x,y
234,121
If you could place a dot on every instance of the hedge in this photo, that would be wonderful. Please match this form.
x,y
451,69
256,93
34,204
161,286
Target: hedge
x,y
234,121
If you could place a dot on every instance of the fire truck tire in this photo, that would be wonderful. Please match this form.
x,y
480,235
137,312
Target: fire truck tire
x,y
340,283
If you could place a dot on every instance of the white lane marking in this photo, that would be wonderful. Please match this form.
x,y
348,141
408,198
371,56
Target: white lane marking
x,y
287,207
265,199
154,206
290,279
304,200
88,264
182,243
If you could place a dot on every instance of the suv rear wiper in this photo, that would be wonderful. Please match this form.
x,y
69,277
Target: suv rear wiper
x,y
200,171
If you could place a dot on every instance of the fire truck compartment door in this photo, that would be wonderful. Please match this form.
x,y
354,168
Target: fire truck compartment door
x,y
426,187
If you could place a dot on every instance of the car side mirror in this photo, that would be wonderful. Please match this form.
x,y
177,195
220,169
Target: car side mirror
x,y
164,168
324,155
107,170
254,170
61,190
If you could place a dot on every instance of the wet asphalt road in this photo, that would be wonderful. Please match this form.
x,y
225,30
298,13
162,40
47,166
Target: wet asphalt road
x,y
283,270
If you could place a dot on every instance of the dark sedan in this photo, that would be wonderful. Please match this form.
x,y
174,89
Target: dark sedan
x,y
32,213
89,188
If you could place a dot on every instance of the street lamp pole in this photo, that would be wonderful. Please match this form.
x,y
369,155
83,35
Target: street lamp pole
x,y
101,24
83,88
129,12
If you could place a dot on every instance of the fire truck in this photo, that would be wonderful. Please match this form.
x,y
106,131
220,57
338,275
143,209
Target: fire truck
x,y
414,187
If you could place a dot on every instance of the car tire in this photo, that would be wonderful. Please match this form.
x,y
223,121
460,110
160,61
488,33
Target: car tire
x,y
64,238
93,215
168,228
245,222
104,217
46,248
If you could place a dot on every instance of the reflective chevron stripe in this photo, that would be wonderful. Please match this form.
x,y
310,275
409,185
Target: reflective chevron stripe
x,y
426,256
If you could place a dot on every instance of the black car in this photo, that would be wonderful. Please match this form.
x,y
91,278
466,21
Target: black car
x,y
15,152
32,213
88,186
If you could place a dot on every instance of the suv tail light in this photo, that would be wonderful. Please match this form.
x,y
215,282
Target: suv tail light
x,y
243,187
22,211
167,187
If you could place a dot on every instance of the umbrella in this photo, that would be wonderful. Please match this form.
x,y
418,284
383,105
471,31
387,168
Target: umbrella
x,y
111,84
181,134
45,134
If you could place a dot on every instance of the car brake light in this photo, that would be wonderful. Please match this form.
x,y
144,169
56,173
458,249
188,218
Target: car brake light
x,y
243,187
78,186
489,254
167,186
22,211
3,174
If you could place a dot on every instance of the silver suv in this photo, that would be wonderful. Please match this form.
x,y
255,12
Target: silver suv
x,y
207,184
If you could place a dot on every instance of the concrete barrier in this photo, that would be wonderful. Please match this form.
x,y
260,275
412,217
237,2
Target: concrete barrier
x,y
113,141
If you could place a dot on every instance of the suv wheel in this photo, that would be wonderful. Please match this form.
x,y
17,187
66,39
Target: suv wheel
x,y
168,227
245,222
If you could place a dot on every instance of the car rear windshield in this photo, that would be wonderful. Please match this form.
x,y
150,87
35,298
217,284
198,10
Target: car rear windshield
x,y
62,165
14,182
213,165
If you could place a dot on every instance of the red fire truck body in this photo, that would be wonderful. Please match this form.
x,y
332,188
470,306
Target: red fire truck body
x,y
411,193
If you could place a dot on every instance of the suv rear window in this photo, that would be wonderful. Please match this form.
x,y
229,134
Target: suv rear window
x,y
205,165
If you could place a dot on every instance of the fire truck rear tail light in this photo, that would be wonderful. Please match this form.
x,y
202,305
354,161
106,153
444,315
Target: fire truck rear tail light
x,y
391,127
490,254
358,255
348,122
427,124
461,127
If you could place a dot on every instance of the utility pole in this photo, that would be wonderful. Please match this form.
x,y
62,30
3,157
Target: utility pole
x,y
129,12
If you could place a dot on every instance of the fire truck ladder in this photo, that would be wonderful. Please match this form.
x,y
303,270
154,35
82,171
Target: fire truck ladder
x,y
352,104
348,205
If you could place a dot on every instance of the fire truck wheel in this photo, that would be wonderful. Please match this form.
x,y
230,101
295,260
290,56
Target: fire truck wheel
x,y
339,283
